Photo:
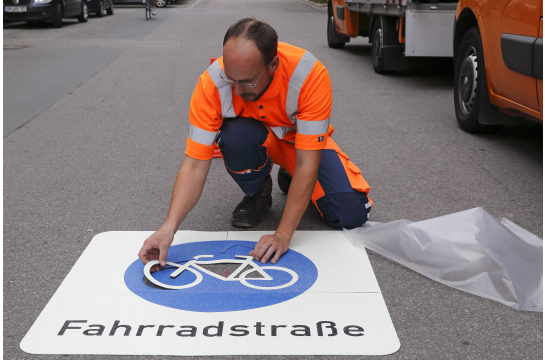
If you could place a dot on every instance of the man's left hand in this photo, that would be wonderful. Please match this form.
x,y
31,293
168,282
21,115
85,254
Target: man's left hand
x,y
268,245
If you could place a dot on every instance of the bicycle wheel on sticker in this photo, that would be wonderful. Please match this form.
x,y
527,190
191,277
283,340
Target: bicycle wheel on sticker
x,y
157,282
244,281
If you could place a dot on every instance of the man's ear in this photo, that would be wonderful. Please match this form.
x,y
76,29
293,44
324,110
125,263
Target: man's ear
x,y
274,64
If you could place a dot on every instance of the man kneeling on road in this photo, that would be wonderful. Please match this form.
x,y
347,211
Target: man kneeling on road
x,y
265,102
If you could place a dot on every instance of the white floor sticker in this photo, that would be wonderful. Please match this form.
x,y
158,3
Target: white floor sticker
x,y
321,298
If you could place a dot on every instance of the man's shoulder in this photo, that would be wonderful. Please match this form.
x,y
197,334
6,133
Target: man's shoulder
x,y
290,56
289,52
206,83
282,46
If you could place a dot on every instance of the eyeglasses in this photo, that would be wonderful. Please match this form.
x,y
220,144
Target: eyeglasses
x,y
224,77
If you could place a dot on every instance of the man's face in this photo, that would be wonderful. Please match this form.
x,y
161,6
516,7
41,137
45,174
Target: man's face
x,y
243,62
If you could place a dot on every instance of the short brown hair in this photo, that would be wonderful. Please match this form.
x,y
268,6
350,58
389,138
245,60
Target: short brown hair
x,y
261,33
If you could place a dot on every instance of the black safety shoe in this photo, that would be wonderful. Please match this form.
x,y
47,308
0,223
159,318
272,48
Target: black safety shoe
x,y
284,180
248,211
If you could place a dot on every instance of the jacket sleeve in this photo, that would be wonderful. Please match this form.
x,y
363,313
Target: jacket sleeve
x,y
204,119
315,98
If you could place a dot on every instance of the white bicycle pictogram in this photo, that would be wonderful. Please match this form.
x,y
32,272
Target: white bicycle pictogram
x,y
193,266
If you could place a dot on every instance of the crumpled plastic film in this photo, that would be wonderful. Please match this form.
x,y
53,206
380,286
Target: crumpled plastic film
x,y
471,251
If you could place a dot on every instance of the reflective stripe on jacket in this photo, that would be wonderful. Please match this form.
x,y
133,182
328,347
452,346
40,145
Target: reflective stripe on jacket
x,y
296,106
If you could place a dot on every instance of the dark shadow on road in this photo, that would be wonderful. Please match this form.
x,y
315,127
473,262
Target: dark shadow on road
x,y
525,140
418,65
38,25
138,6
359,50
132,6
437,73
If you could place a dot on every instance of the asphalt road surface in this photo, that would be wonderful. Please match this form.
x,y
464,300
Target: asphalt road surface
x,y
95,126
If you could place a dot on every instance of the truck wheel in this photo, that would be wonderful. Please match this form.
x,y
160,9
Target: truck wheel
x,y
469,77
332,35
377,48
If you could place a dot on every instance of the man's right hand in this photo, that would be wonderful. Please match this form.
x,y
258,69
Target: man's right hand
x,y
156,248
187,190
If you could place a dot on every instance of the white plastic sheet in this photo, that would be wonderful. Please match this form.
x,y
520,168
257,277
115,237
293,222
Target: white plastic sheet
x,y
470,251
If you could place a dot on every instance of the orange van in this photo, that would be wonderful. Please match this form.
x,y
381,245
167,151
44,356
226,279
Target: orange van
x,y
498,56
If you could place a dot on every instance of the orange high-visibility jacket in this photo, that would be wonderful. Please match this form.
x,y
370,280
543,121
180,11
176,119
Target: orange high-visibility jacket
x,y
296,106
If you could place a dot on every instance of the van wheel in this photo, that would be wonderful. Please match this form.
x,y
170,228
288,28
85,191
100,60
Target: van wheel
x,y
469,77
57,20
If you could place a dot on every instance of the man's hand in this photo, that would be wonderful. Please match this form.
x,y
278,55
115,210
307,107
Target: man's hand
x,y
187,190
299,195
156,248
268,245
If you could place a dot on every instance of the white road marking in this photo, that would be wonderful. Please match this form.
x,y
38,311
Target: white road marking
x,y
191,7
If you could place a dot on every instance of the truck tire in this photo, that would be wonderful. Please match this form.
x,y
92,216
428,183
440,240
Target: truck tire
x,y
332,36
377,47
469,77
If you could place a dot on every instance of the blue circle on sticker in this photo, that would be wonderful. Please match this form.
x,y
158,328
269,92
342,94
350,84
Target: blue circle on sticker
x,y
191,280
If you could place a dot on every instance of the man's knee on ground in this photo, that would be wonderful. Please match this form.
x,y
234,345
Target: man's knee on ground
x,y
346,209
241,143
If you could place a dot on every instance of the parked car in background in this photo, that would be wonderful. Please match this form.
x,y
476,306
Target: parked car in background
x,y
101,7
498,55
45,10
160,3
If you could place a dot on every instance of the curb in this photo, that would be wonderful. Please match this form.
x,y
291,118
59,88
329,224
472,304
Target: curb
x,y
322,7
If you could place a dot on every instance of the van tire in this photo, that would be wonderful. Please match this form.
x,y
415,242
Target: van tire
x,y
469,77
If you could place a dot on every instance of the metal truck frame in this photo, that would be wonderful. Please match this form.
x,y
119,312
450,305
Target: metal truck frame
x,y
397,29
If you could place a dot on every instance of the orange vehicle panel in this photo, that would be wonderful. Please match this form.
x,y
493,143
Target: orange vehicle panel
x,y
473,5
348,26
540,82
502,81
507,104
540,95
520,17
401,30
351,22
340,25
